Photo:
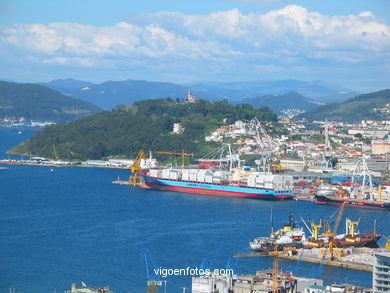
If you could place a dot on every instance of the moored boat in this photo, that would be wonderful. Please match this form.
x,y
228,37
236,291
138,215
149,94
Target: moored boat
x,y
219,183
289,236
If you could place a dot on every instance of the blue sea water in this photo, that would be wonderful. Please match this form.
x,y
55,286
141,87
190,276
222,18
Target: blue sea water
x,y
70,224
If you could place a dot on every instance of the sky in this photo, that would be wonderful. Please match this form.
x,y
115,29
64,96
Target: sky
x,y
343,42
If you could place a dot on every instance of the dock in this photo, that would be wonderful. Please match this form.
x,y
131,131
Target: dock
x,y
121,182
304,198
359,259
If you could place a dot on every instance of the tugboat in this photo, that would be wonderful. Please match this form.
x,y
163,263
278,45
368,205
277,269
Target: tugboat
x,y
289,236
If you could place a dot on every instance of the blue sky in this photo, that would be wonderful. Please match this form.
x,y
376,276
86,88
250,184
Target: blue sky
x,y
342,42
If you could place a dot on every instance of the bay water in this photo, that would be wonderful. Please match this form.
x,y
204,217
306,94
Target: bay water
x,y
60,225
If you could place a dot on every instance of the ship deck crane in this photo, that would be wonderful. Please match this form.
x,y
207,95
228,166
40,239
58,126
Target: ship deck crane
x,y
135,178
316,229
352,226
182,154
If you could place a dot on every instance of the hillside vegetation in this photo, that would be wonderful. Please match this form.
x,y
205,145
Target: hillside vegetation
x,y
36,102
359,108
143,125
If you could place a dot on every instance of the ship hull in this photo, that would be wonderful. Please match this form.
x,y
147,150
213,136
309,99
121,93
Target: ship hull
x,y
264,247
365,241
215,189
321,199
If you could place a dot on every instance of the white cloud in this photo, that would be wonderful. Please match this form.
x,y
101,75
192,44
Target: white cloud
x,y
279,40
257,2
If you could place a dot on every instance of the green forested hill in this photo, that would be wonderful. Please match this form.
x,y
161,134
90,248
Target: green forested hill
x,y
362,107
143,125
36,102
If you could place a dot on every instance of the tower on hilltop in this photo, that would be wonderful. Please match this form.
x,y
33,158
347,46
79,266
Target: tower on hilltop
x,y
190,97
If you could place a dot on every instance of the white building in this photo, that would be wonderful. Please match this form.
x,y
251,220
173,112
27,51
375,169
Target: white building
x,y
381,272
88,289
212,284
178,128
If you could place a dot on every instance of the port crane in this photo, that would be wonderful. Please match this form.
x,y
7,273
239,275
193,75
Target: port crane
x,y
330,245
182,154
153,278
224,157
275,277
263,140
135,178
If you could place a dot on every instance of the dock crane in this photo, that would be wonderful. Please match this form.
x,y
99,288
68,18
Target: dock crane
x,y
182,154
135,178
56,156
153,279
330,245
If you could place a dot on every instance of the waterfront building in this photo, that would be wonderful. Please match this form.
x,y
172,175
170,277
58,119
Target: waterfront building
x,y
293,164
381,272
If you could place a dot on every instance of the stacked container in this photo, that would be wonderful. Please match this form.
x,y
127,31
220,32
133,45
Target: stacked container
x,y
175,174
165,173
185,175
193,174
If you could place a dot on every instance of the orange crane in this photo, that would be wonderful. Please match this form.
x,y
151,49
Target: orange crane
x,y
275,278
182,154
135,178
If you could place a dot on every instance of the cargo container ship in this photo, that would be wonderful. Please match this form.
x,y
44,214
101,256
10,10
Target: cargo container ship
x,y
254,185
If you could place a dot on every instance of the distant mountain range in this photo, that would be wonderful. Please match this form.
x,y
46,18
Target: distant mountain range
x,y
37,102
278,103
375,106
111,93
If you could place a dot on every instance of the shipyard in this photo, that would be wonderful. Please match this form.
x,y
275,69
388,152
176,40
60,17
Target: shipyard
x,y
210,146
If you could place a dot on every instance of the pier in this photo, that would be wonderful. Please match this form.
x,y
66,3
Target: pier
x,y
360,259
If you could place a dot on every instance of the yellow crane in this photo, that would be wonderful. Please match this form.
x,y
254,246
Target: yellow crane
x,y
182,154
316,229
330,245
56,156
135,178
327,229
